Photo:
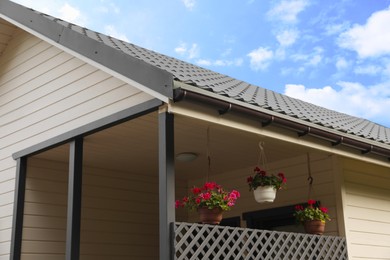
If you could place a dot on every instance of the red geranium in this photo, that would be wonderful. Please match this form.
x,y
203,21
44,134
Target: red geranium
x,y
210,195
313,211
261,178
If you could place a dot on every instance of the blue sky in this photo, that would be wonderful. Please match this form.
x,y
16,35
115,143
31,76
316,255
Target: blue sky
x,y
333,53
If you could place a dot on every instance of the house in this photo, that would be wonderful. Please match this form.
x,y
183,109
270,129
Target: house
x,y
90,127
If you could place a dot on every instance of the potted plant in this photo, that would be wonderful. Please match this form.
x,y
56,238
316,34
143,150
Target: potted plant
x,y
210,201
313,217
265,186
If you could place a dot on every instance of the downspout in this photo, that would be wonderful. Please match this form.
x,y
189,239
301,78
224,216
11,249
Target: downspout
x,y
266,119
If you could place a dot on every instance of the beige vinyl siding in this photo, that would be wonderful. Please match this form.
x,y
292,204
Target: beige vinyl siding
x,y
117,223
119,215
45,92
367,202
6,33
296,172
44,227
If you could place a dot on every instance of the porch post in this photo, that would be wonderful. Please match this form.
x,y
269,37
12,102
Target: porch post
x,y
166,183
74,199
17,222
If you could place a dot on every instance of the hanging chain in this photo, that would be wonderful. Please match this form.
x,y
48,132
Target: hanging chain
x,y
208,154
262,159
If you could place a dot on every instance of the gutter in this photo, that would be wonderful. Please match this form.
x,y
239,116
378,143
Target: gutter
x,y
224,107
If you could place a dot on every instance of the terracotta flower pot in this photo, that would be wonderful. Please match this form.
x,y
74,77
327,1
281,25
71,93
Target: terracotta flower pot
x,y
316,227
264,194
210,216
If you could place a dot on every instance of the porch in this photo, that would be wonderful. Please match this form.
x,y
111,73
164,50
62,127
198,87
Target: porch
x,y
124,196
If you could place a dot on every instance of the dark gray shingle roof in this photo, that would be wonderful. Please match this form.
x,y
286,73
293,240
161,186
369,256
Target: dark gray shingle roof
x,y
240,90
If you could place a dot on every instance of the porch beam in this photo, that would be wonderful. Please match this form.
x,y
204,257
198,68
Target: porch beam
x,y
17,222
166,183
74,199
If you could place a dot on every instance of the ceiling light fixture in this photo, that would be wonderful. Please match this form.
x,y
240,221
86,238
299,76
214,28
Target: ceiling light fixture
x,y
186,157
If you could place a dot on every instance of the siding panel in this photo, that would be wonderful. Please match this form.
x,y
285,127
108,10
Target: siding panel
x,y
367,193
45,92
118,221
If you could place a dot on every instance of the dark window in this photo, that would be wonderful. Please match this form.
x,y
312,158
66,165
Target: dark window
x,y
279,219
231,222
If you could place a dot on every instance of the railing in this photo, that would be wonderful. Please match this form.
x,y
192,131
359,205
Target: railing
x,y
197,241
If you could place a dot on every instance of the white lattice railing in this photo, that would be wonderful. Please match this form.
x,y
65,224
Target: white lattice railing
x,y
197,241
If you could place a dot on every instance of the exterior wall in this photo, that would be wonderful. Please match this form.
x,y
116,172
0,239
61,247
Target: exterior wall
x,y
367,210
45,92
115,222
44,227
296,172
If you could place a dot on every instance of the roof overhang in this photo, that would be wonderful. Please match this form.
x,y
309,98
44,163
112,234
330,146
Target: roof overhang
x,y
147,78
268,117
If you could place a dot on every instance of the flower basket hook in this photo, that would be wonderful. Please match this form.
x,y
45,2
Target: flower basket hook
x,y
310,178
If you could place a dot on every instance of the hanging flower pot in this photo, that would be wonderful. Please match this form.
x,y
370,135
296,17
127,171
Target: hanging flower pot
x,y
316,227
264,194
265,186
313,217
210,216
210,201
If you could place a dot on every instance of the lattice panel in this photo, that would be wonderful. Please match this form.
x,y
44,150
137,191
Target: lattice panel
x,y
196,241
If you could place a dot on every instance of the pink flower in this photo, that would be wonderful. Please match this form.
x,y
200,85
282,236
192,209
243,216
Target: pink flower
x,y
196,190
197,200
234,195
311,202
178,204
210,185
206,196
230,203
324,210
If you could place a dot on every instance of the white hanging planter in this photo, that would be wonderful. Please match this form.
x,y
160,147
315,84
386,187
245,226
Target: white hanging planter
x,y
264,194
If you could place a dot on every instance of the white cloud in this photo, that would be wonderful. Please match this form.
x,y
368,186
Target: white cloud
x,y
189,52
71,14
352,98
341,63
112,31
371,39
105,7
332,29
314,58
181,49
65,11
287,10
220,62
287,37
189,4
260,58
368,70
204,62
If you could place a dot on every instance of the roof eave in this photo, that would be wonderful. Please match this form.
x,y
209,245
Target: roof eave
x,y
301,127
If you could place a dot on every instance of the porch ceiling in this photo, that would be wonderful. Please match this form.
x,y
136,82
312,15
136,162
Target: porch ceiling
x,y
133,146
